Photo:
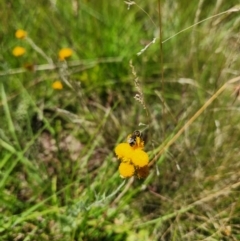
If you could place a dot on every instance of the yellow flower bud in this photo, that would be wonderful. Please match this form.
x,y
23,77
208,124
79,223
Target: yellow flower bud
x,y
64,53
20,34
18,51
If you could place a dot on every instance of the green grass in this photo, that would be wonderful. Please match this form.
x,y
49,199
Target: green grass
x,y
59,175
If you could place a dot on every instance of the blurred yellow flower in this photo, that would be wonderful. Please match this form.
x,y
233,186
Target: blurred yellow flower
x,y
20,34
134,161
65,53
126,170
18,51
57,85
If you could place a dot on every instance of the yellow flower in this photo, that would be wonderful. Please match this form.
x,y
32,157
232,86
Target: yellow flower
x,y
124,150
139,158
20,34
64,53
18,51
134,161
126,170
57,85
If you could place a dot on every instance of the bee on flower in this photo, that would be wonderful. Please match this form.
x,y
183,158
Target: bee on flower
x,y
134,161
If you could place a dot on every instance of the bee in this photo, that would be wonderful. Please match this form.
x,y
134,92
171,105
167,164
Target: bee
x,y
132,139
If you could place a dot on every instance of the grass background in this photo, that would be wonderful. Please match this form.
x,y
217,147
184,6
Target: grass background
x,y
59,178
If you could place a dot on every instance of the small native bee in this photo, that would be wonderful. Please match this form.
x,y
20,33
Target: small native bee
x,y
133,138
